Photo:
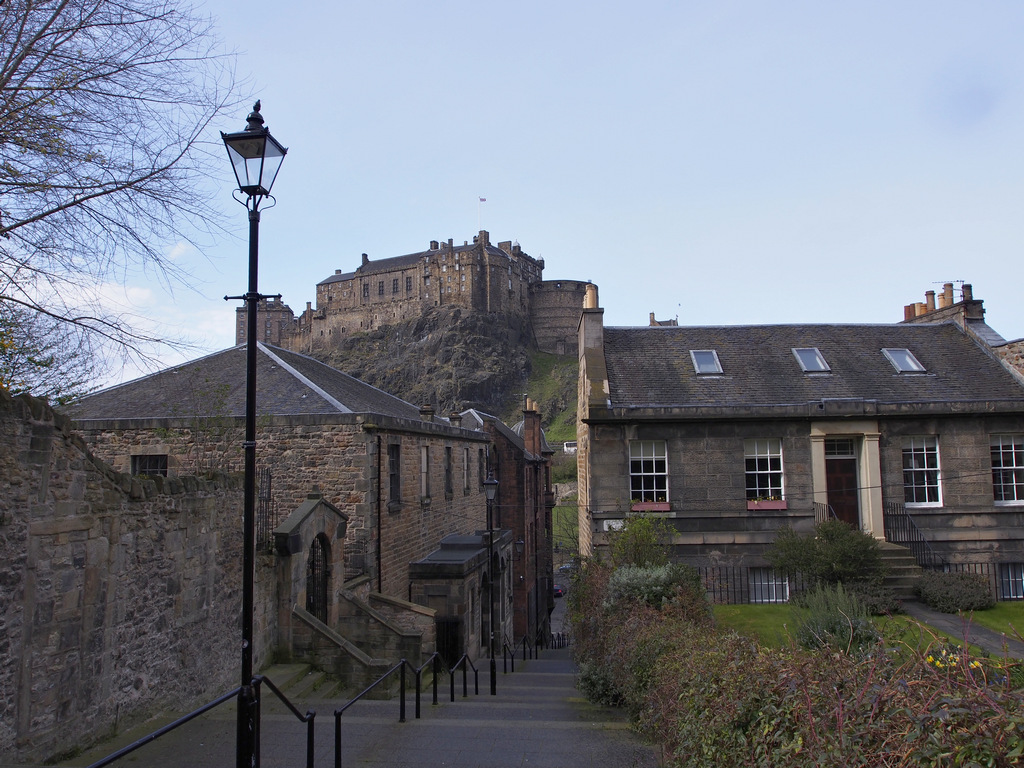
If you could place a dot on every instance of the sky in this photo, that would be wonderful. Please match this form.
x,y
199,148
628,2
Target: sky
x,y
734,162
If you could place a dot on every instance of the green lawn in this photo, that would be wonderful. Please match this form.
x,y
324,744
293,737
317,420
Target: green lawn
x,y
769,624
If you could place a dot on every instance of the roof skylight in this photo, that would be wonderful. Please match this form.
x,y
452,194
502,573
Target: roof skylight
x,y
811,359
705,361
903,360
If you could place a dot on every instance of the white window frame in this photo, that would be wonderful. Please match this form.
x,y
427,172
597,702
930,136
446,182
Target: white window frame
x,y
648,471
766,455
903,360
811,360
922,479
424,472
767,586
1007,452
1011,581
706,367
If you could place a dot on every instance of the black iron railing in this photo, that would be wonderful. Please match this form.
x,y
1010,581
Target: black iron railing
x,y
901,529
258,681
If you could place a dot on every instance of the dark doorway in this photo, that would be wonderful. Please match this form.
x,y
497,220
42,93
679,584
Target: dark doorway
x,y
449,639
841,480
318,577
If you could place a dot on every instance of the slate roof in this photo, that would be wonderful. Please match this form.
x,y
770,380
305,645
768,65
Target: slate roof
x,y
287,384
651,367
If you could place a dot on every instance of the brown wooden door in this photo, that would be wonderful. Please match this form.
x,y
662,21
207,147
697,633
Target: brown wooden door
x,y
841,484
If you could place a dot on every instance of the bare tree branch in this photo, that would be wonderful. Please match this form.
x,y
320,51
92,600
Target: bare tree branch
x,y
104,110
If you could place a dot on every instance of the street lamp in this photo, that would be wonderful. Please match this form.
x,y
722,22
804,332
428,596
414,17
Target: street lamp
x,y
256,157
491,490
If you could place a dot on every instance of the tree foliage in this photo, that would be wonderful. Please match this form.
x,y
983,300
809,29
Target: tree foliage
x,y
834,553
43,356
103,108
642,541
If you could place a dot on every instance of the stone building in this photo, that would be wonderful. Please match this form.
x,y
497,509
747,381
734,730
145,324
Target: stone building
x,y
113,586
730,433
499,279
356,485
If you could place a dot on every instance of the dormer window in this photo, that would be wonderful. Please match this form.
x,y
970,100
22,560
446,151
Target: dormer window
x,y
705,361
811,360
903,360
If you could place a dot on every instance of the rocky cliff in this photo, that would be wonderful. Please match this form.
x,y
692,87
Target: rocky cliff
x,y
447,358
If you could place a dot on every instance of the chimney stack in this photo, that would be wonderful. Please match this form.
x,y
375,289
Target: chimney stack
x,y
968,292
455,419
427,413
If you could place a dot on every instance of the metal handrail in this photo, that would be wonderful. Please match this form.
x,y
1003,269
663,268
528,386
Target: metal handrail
x,y
508,652
257,681
166,729
465,662
824,512
901,529
307,718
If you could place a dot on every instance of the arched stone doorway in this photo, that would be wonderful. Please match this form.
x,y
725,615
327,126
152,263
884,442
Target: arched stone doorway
x,y
318,577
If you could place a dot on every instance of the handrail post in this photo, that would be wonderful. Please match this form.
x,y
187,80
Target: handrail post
x,y
337,740
451,679
465,691
476,682
419,681
310,740
401,684
257,688
437,671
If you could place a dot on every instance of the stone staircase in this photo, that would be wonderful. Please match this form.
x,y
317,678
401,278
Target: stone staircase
x,y
302,683
903,570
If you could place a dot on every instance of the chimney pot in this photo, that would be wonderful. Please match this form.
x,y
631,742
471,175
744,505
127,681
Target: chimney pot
x,y
590,298
968,292
929,301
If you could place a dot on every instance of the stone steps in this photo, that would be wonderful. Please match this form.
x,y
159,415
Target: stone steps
x,y
903,570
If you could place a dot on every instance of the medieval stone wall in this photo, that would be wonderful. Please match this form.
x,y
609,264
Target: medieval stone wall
x,y
557,306
120,595
478,277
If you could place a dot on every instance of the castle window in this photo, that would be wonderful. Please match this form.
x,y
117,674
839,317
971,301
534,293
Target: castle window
x,y
426,280
366,290
380,288
394,285
424,473
408,284
449,470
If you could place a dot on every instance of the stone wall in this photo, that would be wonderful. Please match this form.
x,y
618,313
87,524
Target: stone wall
x,y
556,307
120,596
345,456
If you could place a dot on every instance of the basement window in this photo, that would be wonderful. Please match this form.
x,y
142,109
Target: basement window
x,y
152,464
903,360
705,361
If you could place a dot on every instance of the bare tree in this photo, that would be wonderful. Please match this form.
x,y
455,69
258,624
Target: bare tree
x,y
104,106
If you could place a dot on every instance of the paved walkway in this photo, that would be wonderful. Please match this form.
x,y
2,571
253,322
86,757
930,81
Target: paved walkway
x,y
994,643
537,718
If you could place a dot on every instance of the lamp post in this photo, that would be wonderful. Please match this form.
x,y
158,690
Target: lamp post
x,y
256,157
491,490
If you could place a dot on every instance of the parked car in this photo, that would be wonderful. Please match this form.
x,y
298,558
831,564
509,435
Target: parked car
x,y
558,590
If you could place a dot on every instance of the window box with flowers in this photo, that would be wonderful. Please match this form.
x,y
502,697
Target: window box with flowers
x,y
767,504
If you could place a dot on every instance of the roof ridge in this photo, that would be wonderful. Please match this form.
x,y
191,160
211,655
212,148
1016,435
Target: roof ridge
x,y
315,387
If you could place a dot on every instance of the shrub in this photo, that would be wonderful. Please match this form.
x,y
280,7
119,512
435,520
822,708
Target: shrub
x,y
877,599
834,553
717,699
641,541
955,592
830,617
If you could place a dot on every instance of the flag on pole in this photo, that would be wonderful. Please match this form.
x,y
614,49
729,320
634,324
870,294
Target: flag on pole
x,y
483,199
